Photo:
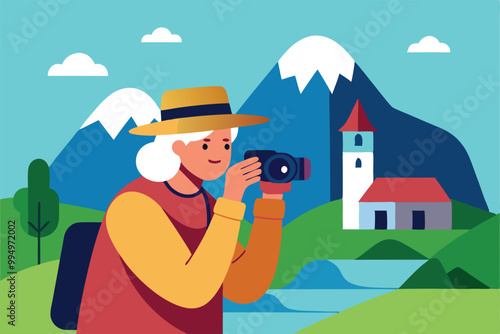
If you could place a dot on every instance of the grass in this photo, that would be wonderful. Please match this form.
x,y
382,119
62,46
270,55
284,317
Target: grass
x,y
476,252
51,245
34,291
466,216
474,255
429,311
391,249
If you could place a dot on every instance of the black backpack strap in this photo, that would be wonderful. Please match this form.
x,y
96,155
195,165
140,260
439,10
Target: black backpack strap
x,y
207,205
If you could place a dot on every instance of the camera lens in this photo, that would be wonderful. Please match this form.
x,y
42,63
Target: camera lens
x,y
280,168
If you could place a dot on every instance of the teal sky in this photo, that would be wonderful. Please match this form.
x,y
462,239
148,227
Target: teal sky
x,y
236,49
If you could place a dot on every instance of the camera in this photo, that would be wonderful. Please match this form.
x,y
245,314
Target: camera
x,y
280,167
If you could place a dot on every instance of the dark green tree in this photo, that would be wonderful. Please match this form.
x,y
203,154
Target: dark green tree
x,y
38,205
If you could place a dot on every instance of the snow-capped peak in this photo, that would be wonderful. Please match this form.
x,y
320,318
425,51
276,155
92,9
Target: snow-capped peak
x,y
115,111
316,53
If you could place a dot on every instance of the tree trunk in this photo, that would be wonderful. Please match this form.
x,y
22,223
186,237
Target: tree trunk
x,y
39,220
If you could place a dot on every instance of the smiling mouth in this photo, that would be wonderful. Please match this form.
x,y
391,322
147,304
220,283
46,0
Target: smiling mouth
x,y
213,161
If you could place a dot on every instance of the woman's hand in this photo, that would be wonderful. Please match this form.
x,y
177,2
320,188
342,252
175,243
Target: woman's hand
x,y
240,176
274,190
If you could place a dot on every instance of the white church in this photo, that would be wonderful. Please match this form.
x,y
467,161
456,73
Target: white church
x,y
384,203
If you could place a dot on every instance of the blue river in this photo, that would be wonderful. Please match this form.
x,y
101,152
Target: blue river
x,y
320,290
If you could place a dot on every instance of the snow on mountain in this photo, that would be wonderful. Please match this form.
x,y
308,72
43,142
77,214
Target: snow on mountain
x,y
115,111
316,53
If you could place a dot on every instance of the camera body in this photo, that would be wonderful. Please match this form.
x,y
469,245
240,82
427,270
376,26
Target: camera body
x,y
280,167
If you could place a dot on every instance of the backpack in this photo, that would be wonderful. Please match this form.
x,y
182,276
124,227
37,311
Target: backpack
x,y
78,245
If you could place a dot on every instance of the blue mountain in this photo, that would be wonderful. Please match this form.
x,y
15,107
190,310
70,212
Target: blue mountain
x,y
93,167
100,158
306,123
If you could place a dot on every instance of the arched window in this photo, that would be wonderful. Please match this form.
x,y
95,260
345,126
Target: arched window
x,y
358,163
358,140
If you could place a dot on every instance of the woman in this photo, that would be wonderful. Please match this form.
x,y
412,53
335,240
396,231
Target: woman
x,y
167,251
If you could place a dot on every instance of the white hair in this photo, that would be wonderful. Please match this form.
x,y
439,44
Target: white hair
x,y
157,161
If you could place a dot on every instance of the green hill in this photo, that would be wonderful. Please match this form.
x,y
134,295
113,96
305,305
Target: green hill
x,y
476,252
391,250
473,259
429,311
463,280
466,216
26,246
35,288
430,276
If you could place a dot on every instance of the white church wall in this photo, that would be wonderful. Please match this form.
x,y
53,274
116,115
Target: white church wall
x,y
355,183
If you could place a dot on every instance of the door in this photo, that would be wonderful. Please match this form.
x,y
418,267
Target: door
x,y
418,220
381,220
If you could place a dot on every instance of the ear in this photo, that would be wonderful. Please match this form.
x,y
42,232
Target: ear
x,y
178,147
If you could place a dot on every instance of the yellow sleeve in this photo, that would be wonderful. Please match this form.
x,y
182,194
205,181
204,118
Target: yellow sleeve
x,y
252,269
152,248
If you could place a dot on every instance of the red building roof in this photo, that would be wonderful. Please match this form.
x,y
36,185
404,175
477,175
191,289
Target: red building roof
x,y
411,189
358,121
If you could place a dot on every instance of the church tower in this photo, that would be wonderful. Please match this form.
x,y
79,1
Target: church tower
x,y
357,163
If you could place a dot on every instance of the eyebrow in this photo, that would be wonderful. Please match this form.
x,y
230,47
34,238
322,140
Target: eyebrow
x,y
206,139
225,139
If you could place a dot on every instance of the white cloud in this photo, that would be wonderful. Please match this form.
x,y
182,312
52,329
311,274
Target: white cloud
x,y
78,65
429,44
161,35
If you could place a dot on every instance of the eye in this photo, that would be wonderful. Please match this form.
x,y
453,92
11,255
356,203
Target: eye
x,y
205,146
227,146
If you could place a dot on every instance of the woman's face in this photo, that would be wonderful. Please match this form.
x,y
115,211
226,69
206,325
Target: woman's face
x,y
207,158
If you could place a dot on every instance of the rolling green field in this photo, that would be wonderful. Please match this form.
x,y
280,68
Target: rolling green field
x,y
466,216
477,252
34,287
26,246
429,311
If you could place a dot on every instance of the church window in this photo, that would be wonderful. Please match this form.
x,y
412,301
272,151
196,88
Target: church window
x,y
358,140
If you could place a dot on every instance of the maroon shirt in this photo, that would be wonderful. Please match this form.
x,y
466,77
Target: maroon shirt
x,y
116,301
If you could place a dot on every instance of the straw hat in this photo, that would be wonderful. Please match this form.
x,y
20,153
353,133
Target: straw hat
x,y
194,110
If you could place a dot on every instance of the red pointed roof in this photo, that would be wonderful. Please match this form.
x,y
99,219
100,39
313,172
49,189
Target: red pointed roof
x,y
358,121
405,189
